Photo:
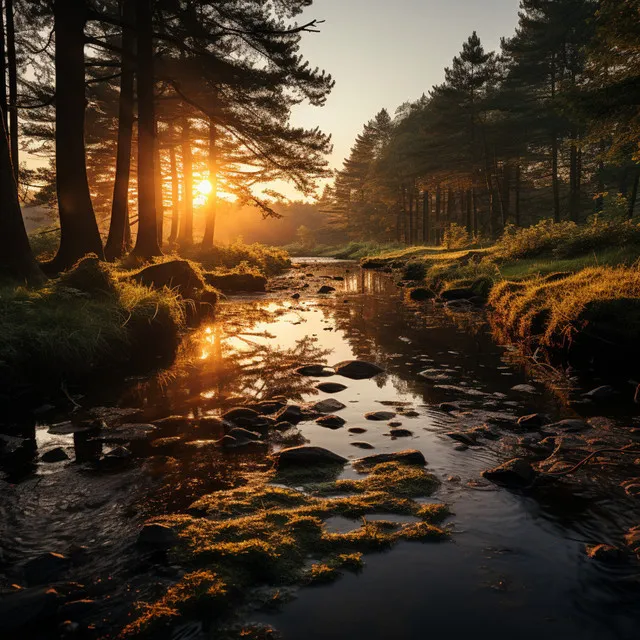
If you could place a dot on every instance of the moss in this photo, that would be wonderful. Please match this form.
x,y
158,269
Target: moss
x,y
197,592
261,533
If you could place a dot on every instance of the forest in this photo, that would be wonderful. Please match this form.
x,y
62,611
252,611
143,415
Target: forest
x,y
248,392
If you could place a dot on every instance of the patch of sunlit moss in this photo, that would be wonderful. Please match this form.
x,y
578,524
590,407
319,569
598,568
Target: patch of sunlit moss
x,y
421,532
196,592
395,478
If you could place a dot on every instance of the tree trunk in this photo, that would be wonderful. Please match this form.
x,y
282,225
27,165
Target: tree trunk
x,y
147,239
410,209
573,180
469,213
13,89
157,157
474,205
517,195
175,196
212,204
16,258
438,231
554,178
3,73
506,193
634,193
426,230
79,233
116,245
185,239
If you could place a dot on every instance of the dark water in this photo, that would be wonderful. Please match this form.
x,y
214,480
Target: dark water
x,y
516,564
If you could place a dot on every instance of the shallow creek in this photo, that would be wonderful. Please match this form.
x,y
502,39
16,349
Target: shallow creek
x,y
516,563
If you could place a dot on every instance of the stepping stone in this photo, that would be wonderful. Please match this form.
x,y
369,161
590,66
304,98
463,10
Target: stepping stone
x,y
331,387
380,415
357,369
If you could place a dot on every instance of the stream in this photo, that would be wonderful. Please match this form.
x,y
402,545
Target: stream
x,y
515,565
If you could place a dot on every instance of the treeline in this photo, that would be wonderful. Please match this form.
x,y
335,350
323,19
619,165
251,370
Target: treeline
x,y
548,127
134,100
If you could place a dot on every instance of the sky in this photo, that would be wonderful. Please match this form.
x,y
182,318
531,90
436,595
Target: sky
x,y
382,53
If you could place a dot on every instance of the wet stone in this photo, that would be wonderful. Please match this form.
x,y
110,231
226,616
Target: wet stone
x,y
292,414
409,456
328,406
54,455
513,473
606,553
157,535
326,289
380,416
461,447
601,394
242,415
305,456
331,422
448,407
570,425
315,371
468,438
330,387
45,568
27,607
357,430
400,433
524,388
533,421
357,369
362,445
76,609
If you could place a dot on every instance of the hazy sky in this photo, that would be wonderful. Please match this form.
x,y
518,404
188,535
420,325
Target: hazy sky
x,y
382,53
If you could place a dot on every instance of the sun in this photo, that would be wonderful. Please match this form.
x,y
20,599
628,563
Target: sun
x,y
204,187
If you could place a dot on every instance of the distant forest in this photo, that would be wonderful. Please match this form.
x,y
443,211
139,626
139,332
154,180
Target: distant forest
x,y
548,127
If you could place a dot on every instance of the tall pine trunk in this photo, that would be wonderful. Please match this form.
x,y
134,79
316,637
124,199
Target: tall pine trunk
x,y
3,73
117,245
634,193
159,188
79,233
147,238
426,230
555,182
185,237
175,196
16,259
517,195
212,204
13,88
438,230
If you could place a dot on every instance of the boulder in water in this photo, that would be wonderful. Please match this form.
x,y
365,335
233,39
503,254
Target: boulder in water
x,y
517,472
408,456
357,369
306,456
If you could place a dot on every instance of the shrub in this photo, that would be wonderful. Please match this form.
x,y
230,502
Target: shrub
x,y
414,270
456,237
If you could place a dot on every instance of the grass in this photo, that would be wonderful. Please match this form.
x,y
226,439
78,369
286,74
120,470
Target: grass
x,y
562,287
263,533
86,321
348,251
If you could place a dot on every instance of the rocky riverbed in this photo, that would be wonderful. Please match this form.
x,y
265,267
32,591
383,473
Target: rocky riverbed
x,y
539,472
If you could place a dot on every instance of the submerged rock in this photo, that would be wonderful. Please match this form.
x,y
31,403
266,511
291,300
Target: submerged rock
x,y
325,288
357,430
408,456
457,294
242,416
467,438
513,473
331,387
357,369
328,406
292,414
605,553
632,539
601,394
571,425
331,422
306,456
232,282
524,388
533,421
400,433
380,416
362,445
54,455
421,293
315,371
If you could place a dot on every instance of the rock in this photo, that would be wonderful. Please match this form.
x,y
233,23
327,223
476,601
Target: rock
x,y
76,609
328,406
513,473
421,293
232,282
117,458
395,423
338,278
461,447
601,394
170,425
400,433
157,535
315,371
291,413
306,456
409,456
457,294
178,275
357,369
362,445
127,433
54,455
27,607
533,421
331,422
571,425
448,407
524,388
68,428
408,413
325,288
380,415
357,430
242,416
465,437
330,387
45,568
12,445
244,436
605,553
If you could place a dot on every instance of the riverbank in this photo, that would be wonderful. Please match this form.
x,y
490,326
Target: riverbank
x,y
99,320
572,292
